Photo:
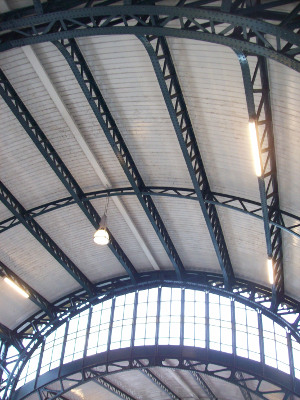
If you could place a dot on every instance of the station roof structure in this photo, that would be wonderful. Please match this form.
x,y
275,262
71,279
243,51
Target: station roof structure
x,y
142,107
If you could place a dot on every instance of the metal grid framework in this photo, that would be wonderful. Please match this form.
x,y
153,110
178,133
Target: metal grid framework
x,y
286,384
259,298
232,24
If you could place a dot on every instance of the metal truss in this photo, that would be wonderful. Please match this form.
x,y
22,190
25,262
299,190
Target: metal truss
x,y
150,375
82,73
44,146
38,232
288,222
248,293
229,26
245,392
204,386
160,56
208,362
10,337
112,388
34,296
36,328
257,92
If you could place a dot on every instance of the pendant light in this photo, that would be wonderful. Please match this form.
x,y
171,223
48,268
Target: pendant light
x,y
101,236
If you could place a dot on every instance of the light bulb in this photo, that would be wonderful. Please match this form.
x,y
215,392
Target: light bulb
x,y
270,271
255,147
16,287
101,236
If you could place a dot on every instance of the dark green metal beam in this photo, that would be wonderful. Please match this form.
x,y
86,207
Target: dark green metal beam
x,y
193,21
16,208
85,79
40,140
160,56
34,296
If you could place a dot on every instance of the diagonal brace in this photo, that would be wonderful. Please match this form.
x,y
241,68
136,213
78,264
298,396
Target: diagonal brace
x,y
38,232
255,86
164,69
78,65
44,146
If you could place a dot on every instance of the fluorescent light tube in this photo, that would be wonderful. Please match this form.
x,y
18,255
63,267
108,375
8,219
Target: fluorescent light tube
x,y
270,271
16,287
255,147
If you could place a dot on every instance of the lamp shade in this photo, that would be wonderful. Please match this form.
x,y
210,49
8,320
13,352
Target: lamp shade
x,y
101,236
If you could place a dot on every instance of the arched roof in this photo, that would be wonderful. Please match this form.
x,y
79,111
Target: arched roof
x,y
147,103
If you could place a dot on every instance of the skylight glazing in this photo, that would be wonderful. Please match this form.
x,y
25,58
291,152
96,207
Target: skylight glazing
x,y
275,345
166,316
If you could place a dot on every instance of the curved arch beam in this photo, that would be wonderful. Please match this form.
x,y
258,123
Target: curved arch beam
x,y
237,32
36,328
210,362
235,203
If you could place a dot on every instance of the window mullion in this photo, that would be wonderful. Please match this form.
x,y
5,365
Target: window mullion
x,y
111,323
207,320
40,362
182,317
233,327
158,316
87,332
64,345
261,337
136,298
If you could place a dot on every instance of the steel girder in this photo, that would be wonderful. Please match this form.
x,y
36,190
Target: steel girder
x,y
34,296
287,222
35,329
248,293
204,386
44,146
195,21
209,362
10,337
164,69
38,232
257,92
150,375
82,73
245,392
112,388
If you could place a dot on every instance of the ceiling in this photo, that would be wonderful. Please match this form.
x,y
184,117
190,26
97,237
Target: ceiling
x,y
212,85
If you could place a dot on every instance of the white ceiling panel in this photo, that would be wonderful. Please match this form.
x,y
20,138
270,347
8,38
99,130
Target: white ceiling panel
x,y
25,256
14,308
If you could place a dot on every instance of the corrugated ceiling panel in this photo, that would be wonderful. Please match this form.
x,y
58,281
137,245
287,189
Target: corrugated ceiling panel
x,y
246,244
180,382
32,92
81,112
125,75
23,169
13,307
137,385
222,389
73,232
25,256
291,264
147,232
4,212
186,226
211,80
91,391
285,88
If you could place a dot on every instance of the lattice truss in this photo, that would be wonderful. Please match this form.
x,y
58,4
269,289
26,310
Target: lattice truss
x,y
255,31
